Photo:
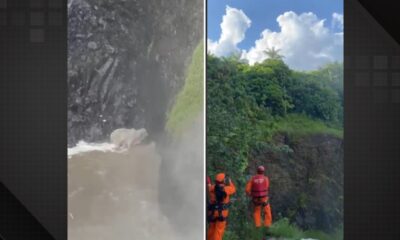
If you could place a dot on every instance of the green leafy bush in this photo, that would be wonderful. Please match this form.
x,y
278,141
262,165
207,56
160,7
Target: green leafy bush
x,y
282,228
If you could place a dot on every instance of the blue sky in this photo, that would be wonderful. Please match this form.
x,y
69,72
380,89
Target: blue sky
x,y
263,15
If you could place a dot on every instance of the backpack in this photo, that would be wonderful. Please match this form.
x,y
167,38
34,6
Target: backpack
x,y
220,193
259,186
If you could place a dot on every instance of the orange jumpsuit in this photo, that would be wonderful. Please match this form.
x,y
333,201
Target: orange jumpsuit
x,y
216,228
258,206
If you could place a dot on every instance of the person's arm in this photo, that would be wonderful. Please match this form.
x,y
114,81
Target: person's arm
x,y
248,187
210,188
208,180
209,184
231,189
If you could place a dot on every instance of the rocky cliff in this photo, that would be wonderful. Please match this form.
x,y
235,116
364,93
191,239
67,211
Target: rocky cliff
x,y
126,61
306,175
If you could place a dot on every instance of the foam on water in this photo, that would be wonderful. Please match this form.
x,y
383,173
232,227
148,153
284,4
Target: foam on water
x,y
84,147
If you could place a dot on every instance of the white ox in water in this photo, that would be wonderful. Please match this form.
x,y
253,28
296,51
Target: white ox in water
x,y
124,138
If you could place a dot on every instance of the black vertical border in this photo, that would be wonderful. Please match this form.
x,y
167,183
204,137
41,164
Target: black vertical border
x,y
33,123
372,118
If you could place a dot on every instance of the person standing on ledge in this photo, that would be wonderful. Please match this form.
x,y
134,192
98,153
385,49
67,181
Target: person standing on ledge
x,y
217,210
257,188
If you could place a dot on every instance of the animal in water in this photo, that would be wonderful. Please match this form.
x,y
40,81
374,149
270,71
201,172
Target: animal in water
x,y
125,138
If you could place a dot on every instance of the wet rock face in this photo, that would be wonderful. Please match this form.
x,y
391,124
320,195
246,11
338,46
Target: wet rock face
x,y
306,180
127,60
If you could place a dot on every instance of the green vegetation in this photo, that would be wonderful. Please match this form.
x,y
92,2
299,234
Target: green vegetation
x,y
189,102
284,229
296,125
247,106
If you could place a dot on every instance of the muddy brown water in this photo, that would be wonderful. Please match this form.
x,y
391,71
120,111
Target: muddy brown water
x,y
115,196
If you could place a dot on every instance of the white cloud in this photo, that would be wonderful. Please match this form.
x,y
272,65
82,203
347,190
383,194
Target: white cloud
x,y
337,21
304,41
233,28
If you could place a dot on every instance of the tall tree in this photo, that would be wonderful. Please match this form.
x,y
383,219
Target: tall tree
x,y
273,53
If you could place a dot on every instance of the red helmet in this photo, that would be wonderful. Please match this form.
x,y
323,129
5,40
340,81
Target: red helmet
x,y
260,169
220,177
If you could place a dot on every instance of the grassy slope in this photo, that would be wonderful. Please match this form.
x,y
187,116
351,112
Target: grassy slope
x,y
296,125
299,126
283,228
189,102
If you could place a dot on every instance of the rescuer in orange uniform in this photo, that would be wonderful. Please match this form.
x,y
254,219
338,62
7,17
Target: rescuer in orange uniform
x,y
257,188
217,210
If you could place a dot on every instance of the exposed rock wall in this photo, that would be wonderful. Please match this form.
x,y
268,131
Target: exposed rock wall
x,y
127,60
306,177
